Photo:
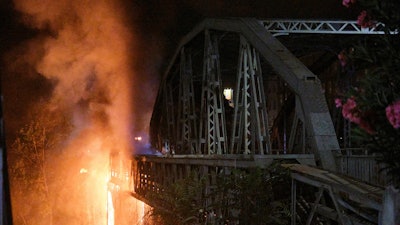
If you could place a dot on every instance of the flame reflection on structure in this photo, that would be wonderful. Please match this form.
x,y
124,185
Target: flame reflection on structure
x,y
110,209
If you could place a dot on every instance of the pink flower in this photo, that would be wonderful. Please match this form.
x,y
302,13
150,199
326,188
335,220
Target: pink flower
x,y
347,3
364,20
349,111
393,114
338,102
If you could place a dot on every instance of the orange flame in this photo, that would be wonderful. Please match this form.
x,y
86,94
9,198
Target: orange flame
x,y
85,47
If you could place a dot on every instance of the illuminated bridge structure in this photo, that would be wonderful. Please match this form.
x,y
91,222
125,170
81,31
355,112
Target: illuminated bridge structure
x,y
242,93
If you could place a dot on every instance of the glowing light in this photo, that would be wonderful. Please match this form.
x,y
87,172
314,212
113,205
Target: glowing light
x,y
83,170
138,138
110,209
228,92
141,212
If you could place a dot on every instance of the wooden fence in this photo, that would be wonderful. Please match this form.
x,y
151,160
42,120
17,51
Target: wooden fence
x,y
362,165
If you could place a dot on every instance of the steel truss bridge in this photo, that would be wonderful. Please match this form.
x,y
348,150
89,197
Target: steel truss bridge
x,y
281,73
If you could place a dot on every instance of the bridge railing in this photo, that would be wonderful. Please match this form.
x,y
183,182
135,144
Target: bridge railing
x,y
152,173
362,165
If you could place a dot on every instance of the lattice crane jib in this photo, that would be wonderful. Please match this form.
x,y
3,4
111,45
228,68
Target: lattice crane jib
x,y
212,125
320,27
250,124
187,122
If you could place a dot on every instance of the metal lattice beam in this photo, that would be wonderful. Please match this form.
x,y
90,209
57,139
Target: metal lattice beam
x,y
212,125
187,128
250,129
169,140
319,27
321,136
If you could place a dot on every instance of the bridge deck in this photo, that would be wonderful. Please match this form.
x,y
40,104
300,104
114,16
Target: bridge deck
x,y
151,173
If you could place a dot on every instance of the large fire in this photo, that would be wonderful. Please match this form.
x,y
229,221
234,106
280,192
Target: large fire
x,y
85,48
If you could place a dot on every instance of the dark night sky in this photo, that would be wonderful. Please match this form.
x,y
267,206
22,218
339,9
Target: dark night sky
x,y
158,25
168,20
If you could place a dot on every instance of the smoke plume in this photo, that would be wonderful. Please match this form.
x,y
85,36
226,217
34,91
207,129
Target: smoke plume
x,y
84,49
81,51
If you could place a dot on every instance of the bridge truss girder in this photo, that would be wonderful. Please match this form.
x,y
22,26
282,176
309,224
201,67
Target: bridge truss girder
x,y
250,123
311,106
212,124
187,125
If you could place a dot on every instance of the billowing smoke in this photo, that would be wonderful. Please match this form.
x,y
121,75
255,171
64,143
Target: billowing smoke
x,y
84,49
86,53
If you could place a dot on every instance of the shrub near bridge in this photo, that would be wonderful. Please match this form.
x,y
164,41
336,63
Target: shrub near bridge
x,y
252,196
373,101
